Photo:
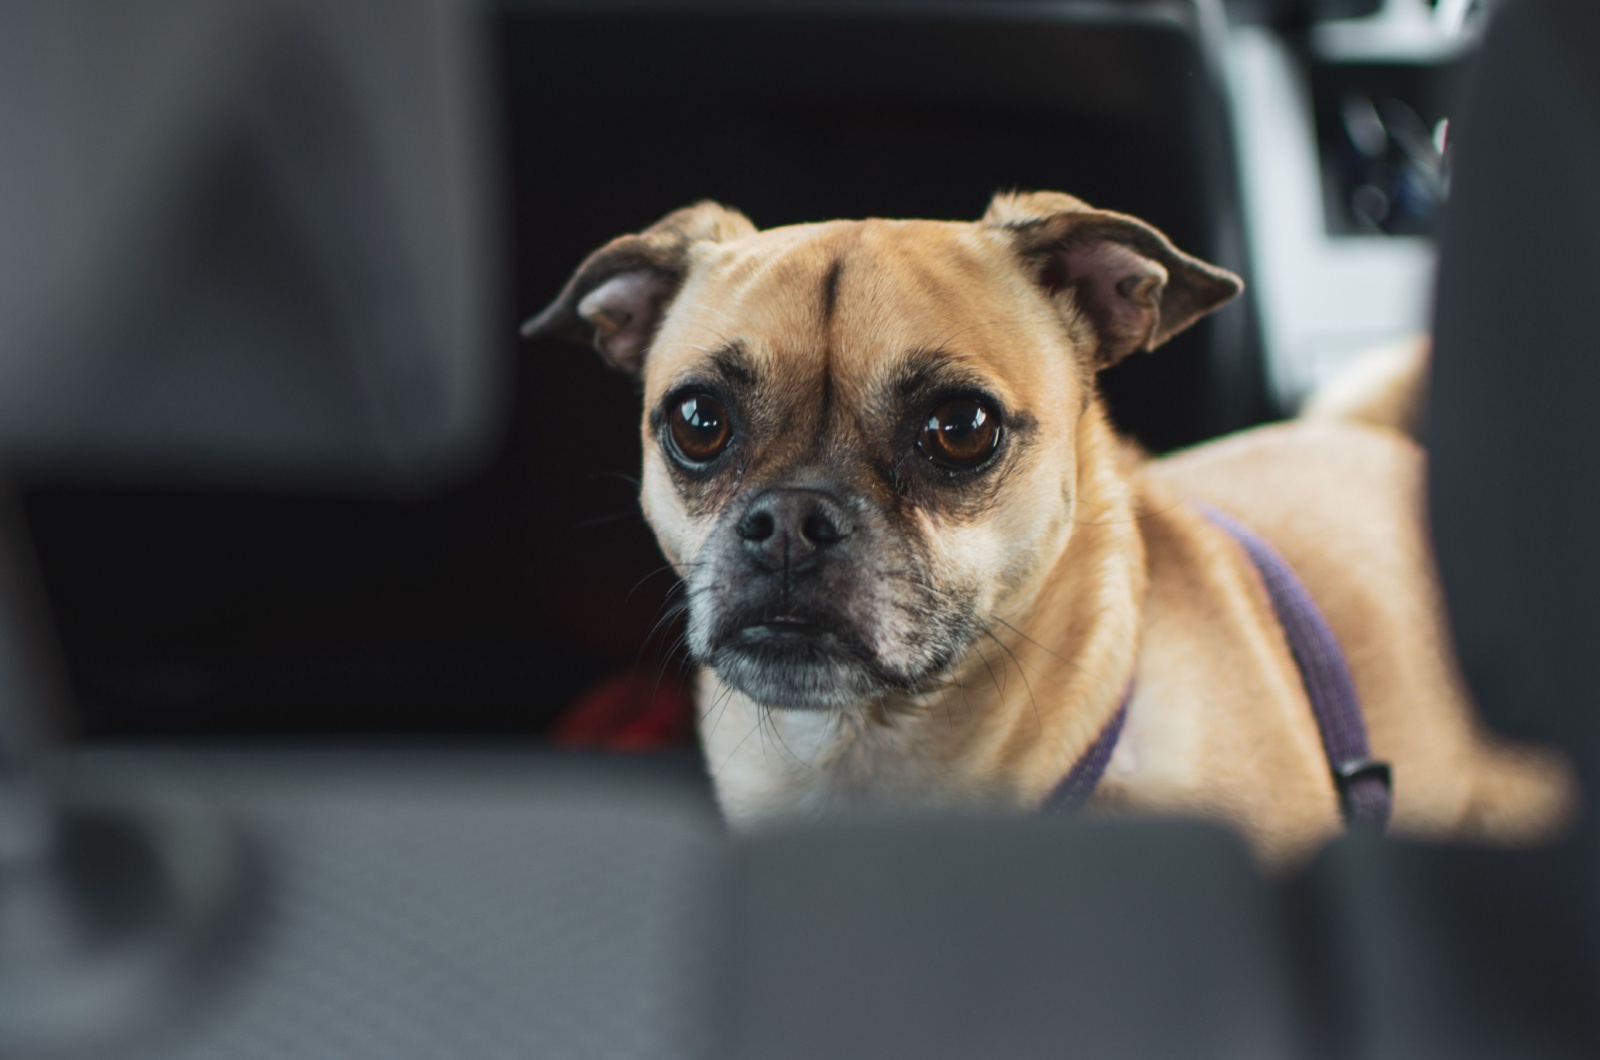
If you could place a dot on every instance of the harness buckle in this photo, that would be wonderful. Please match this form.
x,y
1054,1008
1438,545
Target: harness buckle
x,y
1349,777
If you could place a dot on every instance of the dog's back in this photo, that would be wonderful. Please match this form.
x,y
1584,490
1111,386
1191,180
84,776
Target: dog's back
x,y
1339,494
1385,387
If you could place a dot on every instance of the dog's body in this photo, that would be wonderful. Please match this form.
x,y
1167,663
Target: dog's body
x,y
1219,723
922,570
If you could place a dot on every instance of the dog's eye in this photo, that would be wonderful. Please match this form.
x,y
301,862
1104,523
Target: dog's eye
x,y
960,433
699,428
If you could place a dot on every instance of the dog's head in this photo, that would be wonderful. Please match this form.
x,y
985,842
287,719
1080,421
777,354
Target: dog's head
x,y
859,436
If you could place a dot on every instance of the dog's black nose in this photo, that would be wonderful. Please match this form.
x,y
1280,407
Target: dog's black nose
x,y
788,528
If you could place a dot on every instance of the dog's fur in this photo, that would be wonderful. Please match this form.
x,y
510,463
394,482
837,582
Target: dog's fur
x,y
968,637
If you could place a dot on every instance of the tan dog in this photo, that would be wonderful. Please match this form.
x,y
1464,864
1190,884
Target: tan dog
x,y
922,570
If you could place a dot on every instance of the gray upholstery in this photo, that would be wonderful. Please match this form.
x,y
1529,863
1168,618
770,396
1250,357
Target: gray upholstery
x,y
391,906
1040,938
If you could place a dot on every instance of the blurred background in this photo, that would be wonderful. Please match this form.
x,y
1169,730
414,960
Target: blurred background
x,y
492,598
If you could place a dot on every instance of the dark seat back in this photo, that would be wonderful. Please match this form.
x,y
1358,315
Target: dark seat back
x,y
795,113
1515,451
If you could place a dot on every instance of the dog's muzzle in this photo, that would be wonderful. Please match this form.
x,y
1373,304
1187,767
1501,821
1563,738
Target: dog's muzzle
x,y
785,592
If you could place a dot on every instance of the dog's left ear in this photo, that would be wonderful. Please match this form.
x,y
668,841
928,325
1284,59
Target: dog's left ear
x,y
616,299
1134,288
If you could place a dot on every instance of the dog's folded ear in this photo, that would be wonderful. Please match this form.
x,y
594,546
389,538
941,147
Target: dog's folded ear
x,y
619,294
1125,279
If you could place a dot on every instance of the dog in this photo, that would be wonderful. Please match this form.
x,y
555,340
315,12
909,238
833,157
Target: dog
x,y
921,569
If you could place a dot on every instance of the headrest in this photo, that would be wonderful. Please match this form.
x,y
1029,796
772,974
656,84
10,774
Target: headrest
x,y
243,238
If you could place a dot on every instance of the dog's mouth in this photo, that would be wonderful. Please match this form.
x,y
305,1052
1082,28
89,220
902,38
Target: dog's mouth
x,y
785,630
799,662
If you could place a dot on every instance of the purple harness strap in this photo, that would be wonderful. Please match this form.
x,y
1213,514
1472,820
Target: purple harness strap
x,y
1076,787
1363,783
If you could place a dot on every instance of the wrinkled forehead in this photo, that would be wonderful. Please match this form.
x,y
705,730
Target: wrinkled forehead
x,y
856,307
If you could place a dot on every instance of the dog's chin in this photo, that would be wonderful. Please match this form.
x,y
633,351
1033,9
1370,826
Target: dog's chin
x,y
795,666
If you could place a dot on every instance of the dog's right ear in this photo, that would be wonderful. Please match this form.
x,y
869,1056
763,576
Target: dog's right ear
x,y
619,294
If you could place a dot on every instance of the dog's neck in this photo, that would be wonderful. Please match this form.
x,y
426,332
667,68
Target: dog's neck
x,y
1006,725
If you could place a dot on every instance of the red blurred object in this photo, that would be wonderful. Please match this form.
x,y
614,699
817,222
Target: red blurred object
x,y
633,711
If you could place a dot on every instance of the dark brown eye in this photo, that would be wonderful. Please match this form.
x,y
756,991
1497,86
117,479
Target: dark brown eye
x,y
960,433
699,427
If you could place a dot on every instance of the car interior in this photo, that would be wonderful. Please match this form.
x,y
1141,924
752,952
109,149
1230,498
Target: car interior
x,y
343,708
